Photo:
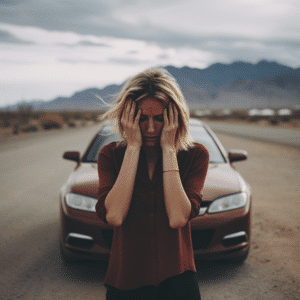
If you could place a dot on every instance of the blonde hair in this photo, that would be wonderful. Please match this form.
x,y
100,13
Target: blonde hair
x,y
158,84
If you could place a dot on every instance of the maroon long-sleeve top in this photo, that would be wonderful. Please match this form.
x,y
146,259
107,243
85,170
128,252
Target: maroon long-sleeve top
x,y
145,249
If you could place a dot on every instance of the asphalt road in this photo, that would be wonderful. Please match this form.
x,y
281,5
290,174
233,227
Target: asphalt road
x,y
283,136
32,172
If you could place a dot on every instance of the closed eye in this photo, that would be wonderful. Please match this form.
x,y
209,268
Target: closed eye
x,y
159,118
143,119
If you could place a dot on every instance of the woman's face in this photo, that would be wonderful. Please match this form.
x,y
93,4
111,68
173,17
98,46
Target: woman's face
x,y
151,121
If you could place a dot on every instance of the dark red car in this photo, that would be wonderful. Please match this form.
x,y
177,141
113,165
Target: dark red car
x,y
221,230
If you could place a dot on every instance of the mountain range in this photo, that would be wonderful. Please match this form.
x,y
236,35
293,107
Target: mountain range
x,y
238,85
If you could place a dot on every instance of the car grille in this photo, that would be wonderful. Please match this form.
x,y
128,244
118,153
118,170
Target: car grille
x,y
202,238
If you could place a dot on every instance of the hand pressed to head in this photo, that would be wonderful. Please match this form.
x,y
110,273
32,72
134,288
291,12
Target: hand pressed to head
x,y
155,127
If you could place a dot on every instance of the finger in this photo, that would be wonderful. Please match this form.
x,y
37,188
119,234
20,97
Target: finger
x,y
132,111
137,117
123,115
176,115
166,121
127,110
171,114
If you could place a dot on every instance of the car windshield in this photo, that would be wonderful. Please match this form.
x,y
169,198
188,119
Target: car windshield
x,y
199,134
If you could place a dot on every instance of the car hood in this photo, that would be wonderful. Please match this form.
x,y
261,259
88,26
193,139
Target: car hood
x,y
221,180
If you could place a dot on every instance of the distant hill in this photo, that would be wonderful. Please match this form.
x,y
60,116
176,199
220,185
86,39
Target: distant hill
x,y
235,85
240,85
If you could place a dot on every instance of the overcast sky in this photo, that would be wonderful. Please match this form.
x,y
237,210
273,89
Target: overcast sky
x,y
51,48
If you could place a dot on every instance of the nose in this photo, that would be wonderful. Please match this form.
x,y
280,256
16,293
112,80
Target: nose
x,y
151,127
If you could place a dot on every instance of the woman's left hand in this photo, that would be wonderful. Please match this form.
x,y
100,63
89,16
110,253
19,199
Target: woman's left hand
x,y
167,139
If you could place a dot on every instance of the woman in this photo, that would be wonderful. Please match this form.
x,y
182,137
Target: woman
x,y
150,186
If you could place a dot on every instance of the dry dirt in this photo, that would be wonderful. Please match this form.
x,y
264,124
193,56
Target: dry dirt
x,y
273,171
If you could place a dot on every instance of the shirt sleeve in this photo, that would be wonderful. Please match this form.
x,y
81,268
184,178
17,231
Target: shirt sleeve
x,y
107,178
194,182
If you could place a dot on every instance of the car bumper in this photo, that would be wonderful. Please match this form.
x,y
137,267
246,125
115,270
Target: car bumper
x,y
215,236
227,233
84,235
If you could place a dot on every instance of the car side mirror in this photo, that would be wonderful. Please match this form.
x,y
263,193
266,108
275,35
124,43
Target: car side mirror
x,y
237,155
72,155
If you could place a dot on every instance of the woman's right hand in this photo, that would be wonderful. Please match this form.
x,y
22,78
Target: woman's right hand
x,y
131,125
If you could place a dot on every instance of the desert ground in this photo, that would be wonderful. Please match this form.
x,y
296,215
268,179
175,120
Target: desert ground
x,y
32,172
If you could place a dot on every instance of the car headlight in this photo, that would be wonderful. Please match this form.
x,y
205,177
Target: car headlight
x,y
81,202
228,203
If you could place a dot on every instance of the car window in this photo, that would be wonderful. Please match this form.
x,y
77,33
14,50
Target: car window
x,y
198,133
101,139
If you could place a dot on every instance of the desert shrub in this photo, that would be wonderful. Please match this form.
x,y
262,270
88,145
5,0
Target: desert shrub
x,y
285,119
254,119
49,121
274,121
31,128
71,123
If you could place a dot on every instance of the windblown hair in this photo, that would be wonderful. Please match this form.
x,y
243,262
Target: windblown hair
x,y
158,84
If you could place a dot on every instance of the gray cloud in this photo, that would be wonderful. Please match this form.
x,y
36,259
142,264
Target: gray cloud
x,y
80,61
132,52
288,43
163,56
98,18
10,2
88,43
6,37
128,61
55,15
84,43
